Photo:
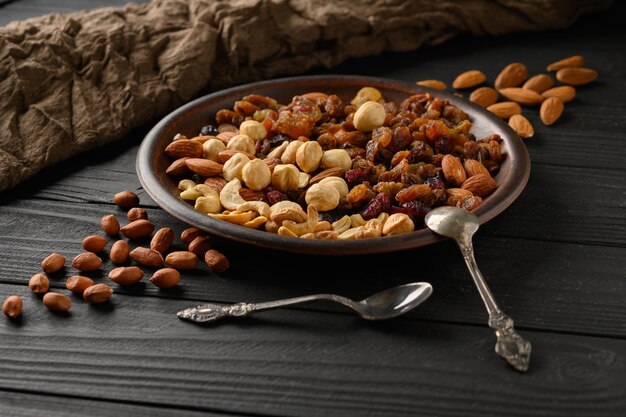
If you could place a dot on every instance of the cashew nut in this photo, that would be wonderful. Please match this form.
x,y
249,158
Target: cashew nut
x,y
356,220
305,227
234,217
260,207
342,224
283,231
278,151
209,201
188,191
229,196
287,210
256,222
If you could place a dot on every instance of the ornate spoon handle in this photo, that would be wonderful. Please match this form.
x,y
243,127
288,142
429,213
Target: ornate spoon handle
x,y
510,346
212,312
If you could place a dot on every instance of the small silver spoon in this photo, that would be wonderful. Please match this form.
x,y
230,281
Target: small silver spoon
x,y
380,306
460,225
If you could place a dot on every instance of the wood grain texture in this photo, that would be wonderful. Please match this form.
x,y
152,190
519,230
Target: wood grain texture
x,y
295,363
557,274
555,261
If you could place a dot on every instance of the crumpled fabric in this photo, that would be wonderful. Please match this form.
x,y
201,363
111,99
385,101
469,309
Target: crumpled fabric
x,y
69,83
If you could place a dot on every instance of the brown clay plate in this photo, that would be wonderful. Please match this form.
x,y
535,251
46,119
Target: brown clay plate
x,y
152,161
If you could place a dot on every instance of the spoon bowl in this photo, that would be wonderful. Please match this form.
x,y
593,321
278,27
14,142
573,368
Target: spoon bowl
x,y
380,306
452,222
393,301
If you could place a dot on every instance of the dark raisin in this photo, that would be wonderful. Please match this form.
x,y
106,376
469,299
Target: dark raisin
x,y
209,130
274,196
377,205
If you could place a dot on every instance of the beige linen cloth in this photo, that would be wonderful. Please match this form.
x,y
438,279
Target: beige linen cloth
x,y
69,83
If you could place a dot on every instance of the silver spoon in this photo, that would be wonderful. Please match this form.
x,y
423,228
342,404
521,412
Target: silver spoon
x,y
460,225
380,306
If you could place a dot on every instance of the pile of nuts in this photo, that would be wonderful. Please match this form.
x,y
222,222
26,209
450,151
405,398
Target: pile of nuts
x,y
514,85
319,168
165,276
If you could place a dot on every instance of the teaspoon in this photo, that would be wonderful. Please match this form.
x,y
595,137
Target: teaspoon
x,y
460,225
380,306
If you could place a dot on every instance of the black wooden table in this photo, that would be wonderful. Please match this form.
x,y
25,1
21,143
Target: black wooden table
x,y
556,262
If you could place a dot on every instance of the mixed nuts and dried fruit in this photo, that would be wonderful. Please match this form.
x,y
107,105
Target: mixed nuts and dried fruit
x,y
165,276
320,168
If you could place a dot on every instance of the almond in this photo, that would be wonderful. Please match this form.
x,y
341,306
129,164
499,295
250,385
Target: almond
x,y
39,284
147,257
119,252
327,173
226,154
480,185
162,240
137,229
521,126
94,243
86,262
217,183
110,225
137,213
56,302
473,167
436,84
565,93
453,169
551,110
251,195
126,199
216,261
505,109
182,260
576,76
484,96
522,96
200,245
97,294
455,195
184,149
469,79
12,306
178,167
539,83
190,234
52,263
204,167
78,283
513,75
126,275
165,278
569,62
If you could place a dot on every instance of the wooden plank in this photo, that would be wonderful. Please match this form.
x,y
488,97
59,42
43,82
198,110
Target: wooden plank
x,y
287,363
543,285
26,404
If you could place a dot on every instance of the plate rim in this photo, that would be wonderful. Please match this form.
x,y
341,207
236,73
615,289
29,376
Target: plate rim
x,y
186,213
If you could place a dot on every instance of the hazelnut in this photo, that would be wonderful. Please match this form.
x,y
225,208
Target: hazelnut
x,y
289,155
241,143
366,94
338,183
253,129
212,148
323,197
336,158
285,177
369,116
256,174
233,167
309,156
398,223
